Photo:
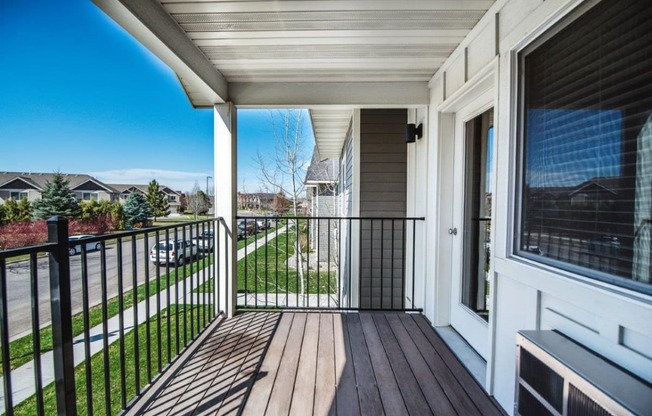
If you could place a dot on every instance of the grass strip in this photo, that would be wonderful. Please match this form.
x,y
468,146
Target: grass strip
x,y
100,404
21,350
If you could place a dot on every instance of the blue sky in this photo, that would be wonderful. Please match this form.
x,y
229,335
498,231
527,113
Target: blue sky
x,y
80,95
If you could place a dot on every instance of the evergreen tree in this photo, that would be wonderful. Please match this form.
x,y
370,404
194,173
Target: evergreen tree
x,y
137,210
57,199
24,210
3,214
157,200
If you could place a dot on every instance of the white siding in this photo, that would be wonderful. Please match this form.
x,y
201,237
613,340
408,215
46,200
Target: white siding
x,y
611,321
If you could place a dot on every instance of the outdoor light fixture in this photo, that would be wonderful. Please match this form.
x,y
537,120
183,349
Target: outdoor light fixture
x,y
413,132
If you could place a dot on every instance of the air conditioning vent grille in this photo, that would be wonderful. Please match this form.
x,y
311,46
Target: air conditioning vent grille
x,y
543,380
530,405
579,404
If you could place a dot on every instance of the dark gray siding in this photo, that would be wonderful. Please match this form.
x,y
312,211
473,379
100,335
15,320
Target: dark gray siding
x,y
383,189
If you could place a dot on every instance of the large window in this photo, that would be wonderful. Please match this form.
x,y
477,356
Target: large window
x,y
18,195
586,151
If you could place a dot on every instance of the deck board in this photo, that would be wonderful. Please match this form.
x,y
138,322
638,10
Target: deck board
x,y
322,364
414,398
325,382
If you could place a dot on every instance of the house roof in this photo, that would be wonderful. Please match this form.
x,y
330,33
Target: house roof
x,y
321,171
38,180
122,188
328,56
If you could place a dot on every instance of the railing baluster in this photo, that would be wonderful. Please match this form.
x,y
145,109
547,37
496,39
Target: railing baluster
x,y
393,241
134,283
121,328
185,308
318,276
371,265
255,230
148,331
414,244
176,287
4,339
382,262
306,276
159,352
105,331
328,263
87,340
36,334
192,297
174,246
403,259
266,268
276,261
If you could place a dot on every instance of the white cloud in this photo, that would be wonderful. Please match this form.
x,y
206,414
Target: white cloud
x,y
177,180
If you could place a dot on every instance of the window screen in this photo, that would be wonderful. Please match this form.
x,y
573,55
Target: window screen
x,y
586,168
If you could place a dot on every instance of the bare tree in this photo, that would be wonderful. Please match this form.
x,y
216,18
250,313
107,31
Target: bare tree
x,y
198,201
284,168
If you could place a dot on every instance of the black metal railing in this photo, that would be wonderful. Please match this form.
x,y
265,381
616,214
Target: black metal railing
x,y
109,313
341,263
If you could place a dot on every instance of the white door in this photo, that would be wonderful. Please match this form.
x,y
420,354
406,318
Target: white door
x,y
471,231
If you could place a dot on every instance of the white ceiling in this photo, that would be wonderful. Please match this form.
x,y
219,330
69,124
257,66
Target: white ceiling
x,y
302,53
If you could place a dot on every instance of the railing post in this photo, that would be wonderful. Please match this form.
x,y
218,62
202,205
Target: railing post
x,y
60,301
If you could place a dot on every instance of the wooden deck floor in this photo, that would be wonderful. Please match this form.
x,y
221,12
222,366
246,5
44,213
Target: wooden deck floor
x,y
322,363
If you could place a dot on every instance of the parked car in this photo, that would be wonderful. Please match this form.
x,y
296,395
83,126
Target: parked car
x,y
205,241
79,239
172,251
244,229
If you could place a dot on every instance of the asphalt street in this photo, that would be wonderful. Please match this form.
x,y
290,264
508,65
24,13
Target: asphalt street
x,y
18,282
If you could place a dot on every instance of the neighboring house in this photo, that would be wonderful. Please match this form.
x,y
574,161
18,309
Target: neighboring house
x,y
322,201
173,197
259,201
19,185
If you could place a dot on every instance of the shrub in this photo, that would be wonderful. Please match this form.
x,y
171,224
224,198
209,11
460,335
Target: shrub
x,y
23,234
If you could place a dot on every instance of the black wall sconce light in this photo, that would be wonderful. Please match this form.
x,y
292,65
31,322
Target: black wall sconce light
x,y
413,132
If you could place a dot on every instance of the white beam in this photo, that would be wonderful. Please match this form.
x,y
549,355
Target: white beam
x,y
369,94
266,6
152,26
224,178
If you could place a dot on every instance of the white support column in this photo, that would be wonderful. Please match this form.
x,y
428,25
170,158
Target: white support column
x,y
225,176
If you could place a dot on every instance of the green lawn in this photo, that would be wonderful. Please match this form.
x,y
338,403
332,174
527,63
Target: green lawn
x,y
266,270
21,350
148,368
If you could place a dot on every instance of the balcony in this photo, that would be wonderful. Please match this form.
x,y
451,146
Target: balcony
x,y
149,332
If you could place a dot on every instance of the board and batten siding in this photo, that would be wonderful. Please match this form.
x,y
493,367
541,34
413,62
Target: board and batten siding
x,y
383,194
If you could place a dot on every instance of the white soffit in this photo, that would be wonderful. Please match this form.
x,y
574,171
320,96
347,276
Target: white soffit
x,y
330,127
303,53
326,41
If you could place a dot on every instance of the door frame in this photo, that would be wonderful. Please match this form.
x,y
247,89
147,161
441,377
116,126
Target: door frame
x,y
466,322
476,96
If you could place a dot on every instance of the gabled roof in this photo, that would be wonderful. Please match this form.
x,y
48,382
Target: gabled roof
x,y
609,184
321,171
38,180
128,188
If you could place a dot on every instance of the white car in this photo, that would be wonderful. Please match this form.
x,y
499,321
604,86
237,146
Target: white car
x,y
205,241
79,239
172,251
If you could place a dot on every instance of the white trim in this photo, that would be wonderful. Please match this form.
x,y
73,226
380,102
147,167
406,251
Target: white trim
x,y
328,94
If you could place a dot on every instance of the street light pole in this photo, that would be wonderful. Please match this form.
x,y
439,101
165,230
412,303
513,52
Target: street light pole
x,y
207,184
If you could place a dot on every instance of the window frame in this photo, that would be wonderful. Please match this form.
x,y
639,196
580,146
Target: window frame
x,y
570,270
21,195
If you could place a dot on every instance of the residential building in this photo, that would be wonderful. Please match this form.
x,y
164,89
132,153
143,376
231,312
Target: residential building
x,y
323,201
30,185
173,197
258,201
